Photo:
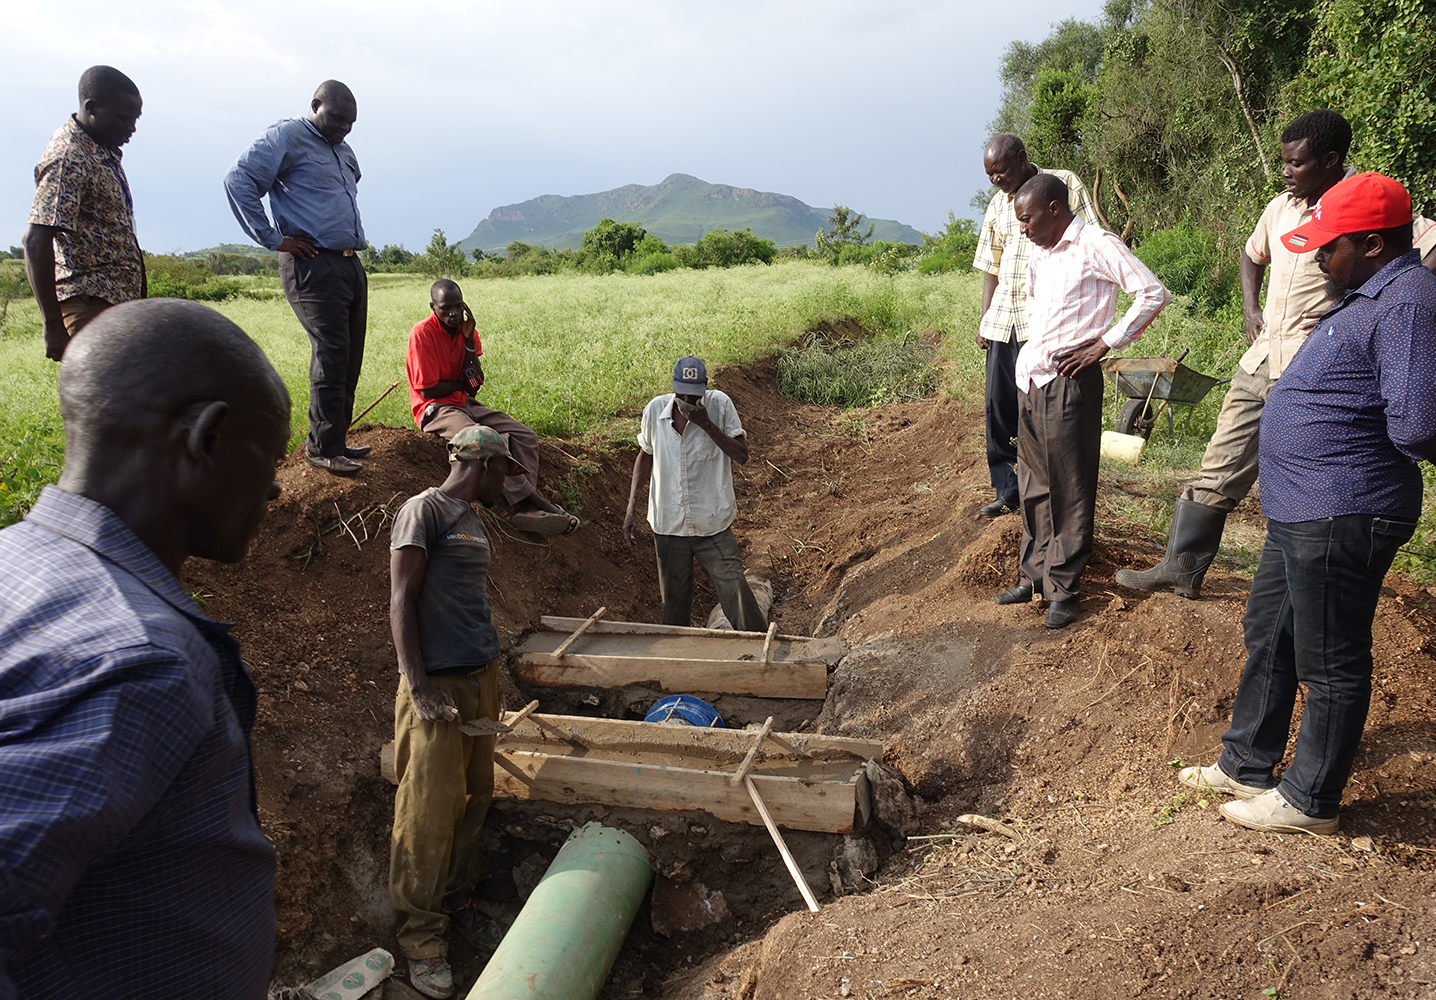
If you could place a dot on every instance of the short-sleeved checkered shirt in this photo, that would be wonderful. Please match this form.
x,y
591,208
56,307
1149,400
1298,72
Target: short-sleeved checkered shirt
x,y
81,190
1003,250
132,864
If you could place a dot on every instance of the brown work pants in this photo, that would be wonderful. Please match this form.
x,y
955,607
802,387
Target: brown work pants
x,y
1229,466
447,420
446,782
1059,443
80,310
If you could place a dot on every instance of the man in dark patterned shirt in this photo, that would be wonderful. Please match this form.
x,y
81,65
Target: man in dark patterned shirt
x,y
81,255
132,864
1341,435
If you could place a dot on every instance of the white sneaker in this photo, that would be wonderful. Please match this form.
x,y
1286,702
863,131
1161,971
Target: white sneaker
x,y
1217,780
432,976
1271,812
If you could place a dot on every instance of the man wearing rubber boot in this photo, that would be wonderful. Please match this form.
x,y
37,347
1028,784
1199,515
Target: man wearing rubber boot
x,y
1341,437
448,654
1313,150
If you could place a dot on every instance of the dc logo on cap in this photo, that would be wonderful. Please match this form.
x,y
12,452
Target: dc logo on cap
x,y
690,373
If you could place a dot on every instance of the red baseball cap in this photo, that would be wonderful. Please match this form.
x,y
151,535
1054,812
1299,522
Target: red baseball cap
x,y
1358,204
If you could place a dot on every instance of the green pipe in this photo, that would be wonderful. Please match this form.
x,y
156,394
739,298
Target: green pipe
x,y
568,934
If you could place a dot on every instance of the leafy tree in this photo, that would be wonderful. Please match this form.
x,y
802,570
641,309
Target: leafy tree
x,y
1375,61
845,233
609,244
1074,47
727,248
442,259
1060,99
950,250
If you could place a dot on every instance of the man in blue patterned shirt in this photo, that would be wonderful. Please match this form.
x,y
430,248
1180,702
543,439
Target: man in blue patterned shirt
x,y
132,864
311,177
1341,434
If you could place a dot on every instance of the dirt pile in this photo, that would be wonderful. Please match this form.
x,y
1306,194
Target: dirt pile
x,y
1114,884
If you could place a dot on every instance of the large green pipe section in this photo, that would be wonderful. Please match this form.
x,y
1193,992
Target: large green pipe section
x,y
568,934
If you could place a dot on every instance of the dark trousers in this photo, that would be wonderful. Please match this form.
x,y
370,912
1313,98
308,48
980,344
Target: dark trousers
x,y
1308,621
1001,412
330,295
447,420
1059,442
719,556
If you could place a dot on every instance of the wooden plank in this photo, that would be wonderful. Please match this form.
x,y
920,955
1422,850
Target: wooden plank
x,y
827,807
561,624
704,644
793,868
720,745
761,680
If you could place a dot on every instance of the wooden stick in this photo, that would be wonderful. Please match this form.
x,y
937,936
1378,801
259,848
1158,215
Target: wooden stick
x,y
563,647
768,641
782,847
742,771
521,714
989,824
374,404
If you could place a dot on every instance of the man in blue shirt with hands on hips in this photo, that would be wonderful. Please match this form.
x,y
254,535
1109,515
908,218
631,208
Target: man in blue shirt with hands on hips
x,y
311,177
1341,434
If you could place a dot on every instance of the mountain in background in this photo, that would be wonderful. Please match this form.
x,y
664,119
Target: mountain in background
x,y
680,209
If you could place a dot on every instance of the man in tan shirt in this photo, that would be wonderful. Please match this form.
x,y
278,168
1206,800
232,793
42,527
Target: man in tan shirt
x,y
1313,151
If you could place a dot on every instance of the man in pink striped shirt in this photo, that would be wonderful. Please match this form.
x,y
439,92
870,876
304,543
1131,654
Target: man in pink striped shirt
x,y
1072,284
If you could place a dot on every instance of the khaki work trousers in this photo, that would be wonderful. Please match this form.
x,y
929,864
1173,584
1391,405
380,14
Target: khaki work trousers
x,y
80,310
446,782
1229,466
446,420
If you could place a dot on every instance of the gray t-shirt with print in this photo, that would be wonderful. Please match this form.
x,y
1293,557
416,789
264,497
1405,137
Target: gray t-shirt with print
x,y
456,630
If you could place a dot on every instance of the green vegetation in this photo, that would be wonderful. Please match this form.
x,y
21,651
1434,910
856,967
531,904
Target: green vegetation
x,y
173,277
868,373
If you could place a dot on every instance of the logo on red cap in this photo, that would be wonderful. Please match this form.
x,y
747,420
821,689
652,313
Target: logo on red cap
x,y
1358,204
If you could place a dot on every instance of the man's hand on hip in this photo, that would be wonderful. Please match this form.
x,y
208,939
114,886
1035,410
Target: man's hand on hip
x,y
1072,361
301,246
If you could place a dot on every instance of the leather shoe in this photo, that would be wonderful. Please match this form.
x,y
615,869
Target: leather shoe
x,y
998,507
338,465
1020,594
360,452
1060,614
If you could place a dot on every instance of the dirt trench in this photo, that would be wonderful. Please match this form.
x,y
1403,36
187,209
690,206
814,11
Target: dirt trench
x,y
1119,884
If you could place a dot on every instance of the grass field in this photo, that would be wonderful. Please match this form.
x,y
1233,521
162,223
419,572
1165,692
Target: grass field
x,y
563,353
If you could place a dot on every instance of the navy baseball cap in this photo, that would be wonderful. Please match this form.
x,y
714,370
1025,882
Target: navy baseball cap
x,y
690,376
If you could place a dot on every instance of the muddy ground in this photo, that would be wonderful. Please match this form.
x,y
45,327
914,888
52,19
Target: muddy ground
x,y
1115,883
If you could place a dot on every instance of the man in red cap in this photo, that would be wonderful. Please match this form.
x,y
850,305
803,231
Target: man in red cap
x,y
1341,434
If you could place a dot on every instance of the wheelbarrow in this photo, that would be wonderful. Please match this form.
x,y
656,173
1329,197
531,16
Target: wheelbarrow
x,y
1153,386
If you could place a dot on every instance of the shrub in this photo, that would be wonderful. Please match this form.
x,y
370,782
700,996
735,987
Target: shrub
x,y
727,248
654,263
951,250
870,373
1187,261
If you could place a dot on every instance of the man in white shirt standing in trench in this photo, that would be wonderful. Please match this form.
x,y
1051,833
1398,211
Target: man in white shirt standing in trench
x,y
688,441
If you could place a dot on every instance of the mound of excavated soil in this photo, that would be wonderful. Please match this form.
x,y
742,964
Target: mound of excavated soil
x,y
1115,885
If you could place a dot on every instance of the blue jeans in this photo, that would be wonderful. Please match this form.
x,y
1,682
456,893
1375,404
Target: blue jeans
x,y
1308,621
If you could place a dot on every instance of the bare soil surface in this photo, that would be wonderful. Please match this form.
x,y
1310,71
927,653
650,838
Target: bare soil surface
x,y
1112,883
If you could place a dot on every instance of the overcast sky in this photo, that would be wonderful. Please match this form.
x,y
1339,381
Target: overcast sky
x,y
465,106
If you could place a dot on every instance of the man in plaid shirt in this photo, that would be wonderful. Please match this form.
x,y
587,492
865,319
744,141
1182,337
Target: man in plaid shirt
x,y
132,863
1002,255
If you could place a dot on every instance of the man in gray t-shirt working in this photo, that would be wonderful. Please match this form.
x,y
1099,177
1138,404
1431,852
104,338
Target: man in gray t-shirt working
x,y
448,654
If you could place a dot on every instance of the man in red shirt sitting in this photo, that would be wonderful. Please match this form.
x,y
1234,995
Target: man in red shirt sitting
x,y
444,374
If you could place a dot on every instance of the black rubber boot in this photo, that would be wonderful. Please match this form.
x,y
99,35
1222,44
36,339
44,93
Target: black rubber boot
x,y
1191,546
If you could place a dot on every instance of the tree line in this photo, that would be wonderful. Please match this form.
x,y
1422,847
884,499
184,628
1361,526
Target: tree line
x,y
1172,110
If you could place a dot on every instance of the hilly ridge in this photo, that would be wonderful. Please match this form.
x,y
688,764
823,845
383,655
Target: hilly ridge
x,y
678,209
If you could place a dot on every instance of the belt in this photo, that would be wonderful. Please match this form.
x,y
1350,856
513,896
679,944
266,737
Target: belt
x,y
342,253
